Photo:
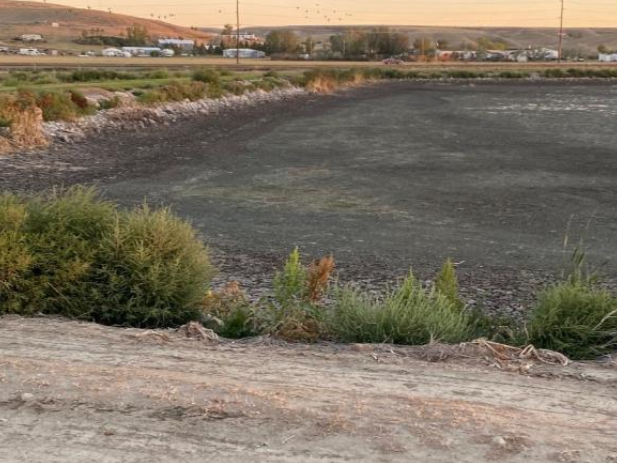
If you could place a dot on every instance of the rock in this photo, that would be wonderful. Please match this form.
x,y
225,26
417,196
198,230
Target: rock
x,y
27,397
500,441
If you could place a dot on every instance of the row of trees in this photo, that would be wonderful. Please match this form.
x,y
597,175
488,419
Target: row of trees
x,y
135,36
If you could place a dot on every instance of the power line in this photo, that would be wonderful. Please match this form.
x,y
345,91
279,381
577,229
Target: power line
x,y
560,49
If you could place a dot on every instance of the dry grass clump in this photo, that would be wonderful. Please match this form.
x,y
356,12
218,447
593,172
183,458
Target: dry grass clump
x,y
23,119
328,80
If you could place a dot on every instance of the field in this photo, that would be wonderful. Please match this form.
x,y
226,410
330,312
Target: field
x,y
76,392
55,62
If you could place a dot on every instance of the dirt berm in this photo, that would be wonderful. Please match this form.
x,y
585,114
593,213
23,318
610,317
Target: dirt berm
x,y
75,393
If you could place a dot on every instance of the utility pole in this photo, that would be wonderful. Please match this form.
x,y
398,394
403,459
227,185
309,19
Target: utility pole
x,y
238,31
560,52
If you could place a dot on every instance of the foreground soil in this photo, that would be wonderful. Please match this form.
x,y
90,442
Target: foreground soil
x,y
75,392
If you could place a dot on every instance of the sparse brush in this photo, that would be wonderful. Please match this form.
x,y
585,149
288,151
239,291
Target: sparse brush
x,y
228,313
292,314
575,318
408,315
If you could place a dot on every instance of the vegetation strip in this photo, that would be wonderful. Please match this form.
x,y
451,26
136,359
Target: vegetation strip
x,y
73,254
45,97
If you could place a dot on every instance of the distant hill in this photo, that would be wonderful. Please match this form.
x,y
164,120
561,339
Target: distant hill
x,y
17,18
586,40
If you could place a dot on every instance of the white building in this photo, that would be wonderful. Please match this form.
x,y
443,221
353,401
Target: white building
x,y
607,57
115,53
142,51
187,45
31,38
244,37
244,53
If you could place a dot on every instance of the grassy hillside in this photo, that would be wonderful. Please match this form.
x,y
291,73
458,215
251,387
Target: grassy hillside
x,y
584,39
17,18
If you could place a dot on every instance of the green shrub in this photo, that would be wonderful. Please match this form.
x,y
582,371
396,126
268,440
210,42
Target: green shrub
x,y
93,75
292,283
513,75
556,73
175,91
150,271
159,74
70,253
207,76
576,318
408,315
272,74
447,284
110,103
63,106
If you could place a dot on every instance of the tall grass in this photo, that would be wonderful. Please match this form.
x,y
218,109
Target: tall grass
x,y
409,314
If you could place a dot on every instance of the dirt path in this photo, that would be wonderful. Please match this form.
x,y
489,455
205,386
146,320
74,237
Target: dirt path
x,y
72,392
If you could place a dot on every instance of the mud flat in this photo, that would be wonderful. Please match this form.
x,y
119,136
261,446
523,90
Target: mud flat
x,y
387,177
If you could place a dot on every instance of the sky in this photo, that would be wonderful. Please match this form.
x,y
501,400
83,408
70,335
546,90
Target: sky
x,y
214,13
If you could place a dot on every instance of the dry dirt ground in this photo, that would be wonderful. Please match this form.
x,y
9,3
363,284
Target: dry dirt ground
x,y
75,392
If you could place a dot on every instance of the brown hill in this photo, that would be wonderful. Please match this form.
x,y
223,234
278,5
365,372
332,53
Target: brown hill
x,y
17,18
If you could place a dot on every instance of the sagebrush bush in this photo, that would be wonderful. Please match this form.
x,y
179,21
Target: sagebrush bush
x,y
70,253
410,314
207,76
175,91
63,106
575,317
150,271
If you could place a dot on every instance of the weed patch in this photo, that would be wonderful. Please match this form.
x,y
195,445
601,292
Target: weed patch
x,y
409,314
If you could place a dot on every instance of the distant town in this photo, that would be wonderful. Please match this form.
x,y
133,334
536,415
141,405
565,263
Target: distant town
x,y
379,44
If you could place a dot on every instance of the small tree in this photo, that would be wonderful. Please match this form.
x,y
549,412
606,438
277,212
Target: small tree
x,y
447,284
136,35
603,49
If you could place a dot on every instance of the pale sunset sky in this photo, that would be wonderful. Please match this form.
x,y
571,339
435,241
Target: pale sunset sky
x,y
214,13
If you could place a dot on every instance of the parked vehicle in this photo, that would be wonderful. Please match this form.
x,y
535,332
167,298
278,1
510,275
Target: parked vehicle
x,y
31,52
392,62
